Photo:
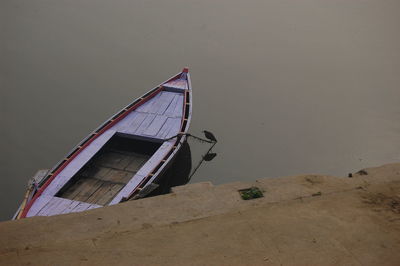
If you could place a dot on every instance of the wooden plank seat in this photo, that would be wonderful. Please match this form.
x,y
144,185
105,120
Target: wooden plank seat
x,y
50,205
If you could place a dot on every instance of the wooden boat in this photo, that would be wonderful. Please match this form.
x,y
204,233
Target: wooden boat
x,y
121,158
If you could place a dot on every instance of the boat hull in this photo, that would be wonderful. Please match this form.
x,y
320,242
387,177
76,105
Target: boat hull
x,y
122,157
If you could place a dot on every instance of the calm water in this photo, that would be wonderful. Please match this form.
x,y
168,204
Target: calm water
x,y
288,87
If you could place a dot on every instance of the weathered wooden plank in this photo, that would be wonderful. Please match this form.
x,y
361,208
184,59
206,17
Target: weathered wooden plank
x,y
178,111
117,176
113,159
127,189
78,162
145,124
95,171
171,108
148,105
139,121
136,162
78,207
156,103
110,159
178,84
170,128
97,144
93,206
122,124
82,206
85,190
156,158
52,202
71,206
56,185
126,159
164,101
168,125
38,205
109,195
134,123
101,192
155,125
58,208
144,171
72,191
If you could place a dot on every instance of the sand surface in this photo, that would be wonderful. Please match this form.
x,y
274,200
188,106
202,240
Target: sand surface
x,y
301,220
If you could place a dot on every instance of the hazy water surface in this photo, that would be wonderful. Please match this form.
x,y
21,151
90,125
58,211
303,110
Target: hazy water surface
x,y
288,87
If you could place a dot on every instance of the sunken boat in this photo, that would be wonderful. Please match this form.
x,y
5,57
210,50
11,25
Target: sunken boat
x,y
119,160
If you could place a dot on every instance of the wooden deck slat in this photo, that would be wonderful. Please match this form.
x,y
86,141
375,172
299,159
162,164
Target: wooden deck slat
x,y
75,165
176,107
156,158
174,129
155,125
39,204
124,123
58,208
56,185
164,101
145,124
142,121
144,171
104,194
147,107
110,159
117,176
171,108
109,195
93,206
87,189
57,205
158,103
178,84
179,107
96,171
104,188
53,202
166,128
133,124
71,206
136,162
72,192
82,206
127,189
116,160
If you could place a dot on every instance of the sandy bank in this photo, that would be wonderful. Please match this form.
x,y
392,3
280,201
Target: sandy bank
x,y
301,220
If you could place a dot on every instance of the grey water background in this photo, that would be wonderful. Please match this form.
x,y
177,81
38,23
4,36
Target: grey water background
x,y
289,87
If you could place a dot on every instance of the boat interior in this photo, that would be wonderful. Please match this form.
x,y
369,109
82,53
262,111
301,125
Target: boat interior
x,y
103,176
